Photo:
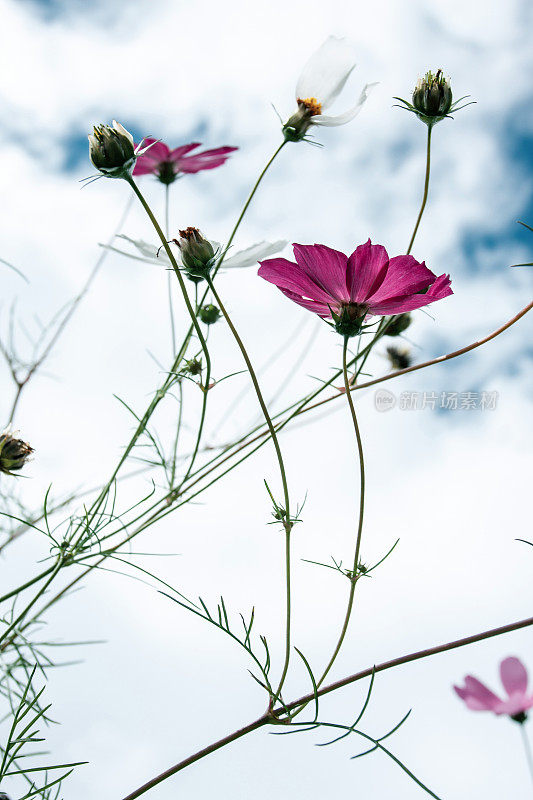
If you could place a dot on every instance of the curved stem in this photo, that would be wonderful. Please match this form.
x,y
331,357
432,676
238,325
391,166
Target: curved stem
x,y
426,189
353,576
142,425
287,522
246,205
169,276
527,749
355,568
366,673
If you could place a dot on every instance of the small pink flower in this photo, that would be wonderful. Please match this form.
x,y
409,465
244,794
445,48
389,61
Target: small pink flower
x,y
514,678
347,289
167,164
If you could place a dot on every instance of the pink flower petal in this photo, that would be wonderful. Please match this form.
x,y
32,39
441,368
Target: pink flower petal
x,y
178,152
477,696
514,676
398,305
514,705
288,275
311,305
367,267
145,166
405,275
326,268
208,159
158,151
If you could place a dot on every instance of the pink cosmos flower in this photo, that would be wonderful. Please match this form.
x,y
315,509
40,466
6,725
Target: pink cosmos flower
x,y
514,678
349,288
167,164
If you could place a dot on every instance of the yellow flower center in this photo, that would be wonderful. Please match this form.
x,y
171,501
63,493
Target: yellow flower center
x,y
311,105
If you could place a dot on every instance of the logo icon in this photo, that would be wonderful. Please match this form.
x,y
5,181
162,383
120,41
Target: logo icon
x,y
384,400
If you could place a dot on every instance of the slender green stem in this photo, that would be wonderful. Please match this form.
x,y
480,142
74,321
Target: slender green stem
x,y
426,189
30,605
287,522
527,748
169,276
176,438
27,585
355,569
246,205
195,325
192,314
162,391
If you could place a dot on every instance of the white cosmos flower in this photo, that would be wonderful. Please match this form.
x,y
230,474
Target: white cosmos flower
x,y
322,80
151,254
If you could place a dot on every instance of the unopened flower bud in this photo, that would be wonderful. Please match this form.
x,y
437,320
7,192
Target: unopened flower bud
x,y
209,314
4,796
399,357
13,454
197,253
432,97
398,324
193,366
112,150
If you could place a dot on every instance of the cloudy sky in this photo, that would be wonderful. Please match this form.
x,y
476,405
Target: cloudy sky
x,y
453,486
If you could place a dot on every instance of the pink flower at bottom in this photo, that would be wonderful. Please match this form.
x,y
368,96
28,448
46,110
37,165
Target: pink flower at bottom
x,y
167,164
349,288
514,678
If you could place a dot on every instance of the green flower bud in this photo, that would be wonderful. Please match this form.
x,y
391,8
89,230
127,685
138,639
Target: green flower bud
x,y
112,150
399,357
13,453
193,367
197,253
432,97
209,314
398,324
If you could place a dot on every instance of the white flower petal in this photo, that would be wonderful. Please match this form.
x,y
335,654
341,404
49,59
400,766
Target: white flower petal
x,y
326,72
342,119
149,252
251,255
121,129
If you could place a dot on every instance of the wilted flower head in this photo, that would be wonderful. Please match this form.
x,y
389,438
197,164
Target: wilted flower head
x,y
399,357
167,164
347,289
432,98
514,678
112,150
320,83
209,314
13,453
197,253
